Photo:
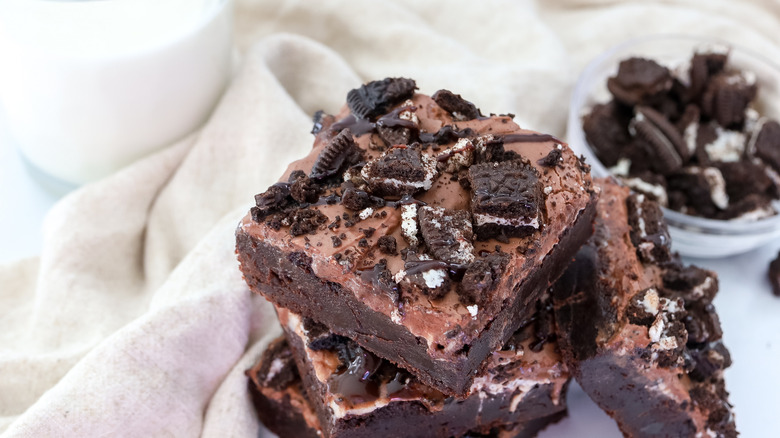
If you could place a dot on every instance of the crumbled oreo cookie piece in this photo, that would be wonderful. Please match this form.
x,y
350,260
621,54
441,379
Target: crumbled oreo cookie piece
x,y
702,323
704,189
375,98
401,170
456,157
506,199
304,190
321,121
447,234
774,275
649,233
690,283
664,144
726,98
752,207
460,108
639,81
767,145
340,153
305,221
430,277
409,226
552,159
703,67
744,178
400,126
650,184
357,199
490,149
482,277
387,245
644,307
606,131
708,360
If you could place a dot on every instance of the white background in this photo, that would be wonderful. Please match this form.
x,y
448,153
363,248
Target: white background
x,y
750,314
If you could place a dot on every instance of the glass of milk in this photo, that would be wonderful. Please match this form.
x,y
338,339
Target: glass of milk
x,y
88,87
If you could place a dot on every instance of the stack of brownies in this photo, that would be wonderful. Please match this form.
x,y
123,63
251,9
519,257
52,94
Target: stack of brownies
x,y
411,259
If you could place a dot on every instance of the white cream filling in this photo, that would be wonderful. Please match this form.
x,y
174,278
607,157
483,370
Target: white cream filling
x,y
656,190
728,145
482,219
621,168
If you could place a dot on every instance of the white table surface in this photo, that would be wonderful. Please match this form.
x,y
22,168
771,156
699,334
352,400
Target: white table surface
x,y
750,314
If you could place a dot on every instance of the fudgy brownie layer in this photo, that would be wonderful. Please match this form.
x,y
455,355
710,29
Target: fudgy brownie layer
x,y
638,329
357,394
289,284
426,234
287,412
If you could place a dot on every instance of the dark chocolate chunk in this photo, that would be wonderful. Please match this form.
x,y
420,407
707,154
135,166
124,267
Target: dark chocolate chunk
x,y
726,99
767,146
388,245
506,198
340,153
306,221
460,108
400,171
552,159
639,81
482,277
774,275
375,98
447,234
664,144
649,233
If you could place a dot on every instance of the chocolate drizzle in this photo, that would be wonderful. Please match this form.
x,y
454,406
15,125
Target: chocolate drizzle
x,y
530,138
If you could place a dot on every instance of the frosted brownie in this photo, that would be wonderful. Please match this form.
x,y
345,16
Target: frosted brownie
x,y
357,394
419,228
638,329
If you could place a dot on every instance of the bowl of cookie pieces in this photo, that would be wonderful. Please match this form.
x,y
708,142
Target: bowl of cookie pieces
x,y
693,124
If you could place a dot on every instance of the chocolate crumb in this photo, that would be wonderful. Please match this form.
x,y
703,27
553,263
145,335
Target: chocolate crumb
x,y
368,232
552,159
306,221
363,242
336,241
388,245
304,189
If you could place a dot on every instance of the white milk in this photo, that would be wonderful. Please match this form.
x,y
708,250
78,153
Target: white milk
x,y
90,86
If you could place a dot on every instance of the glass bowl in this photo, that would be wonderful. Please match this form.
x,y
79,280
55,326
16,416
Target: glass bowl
x,y
691,235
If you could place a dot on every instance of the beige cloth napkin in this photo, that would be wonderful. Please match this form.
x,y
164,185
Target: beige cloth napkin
x,y
135,321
